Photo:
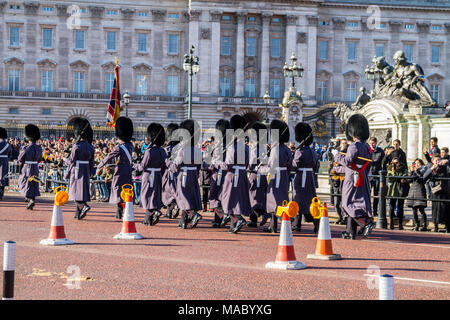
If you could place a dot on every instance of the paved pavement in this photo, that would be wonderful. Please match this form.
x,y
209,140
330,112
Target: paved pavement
x,y
207,263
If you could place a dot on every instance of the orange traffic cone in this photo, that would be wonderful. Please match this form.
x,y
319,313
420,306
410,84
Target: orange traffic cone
x,y
128,227
285,258
57,236
324,248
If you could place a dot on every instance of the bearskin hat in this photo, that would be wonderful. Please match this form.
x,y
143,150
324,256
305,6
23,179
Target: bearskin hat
x,y
32,132
258,126
124,129
89,134
357,127
223,125
283,130
171,127
81,128
156,133
190,125
3,133
303,134
238,122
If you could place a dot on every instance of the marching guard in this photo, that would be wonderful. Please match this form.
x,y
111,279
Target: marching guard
x,y
151,165
5,155
356,187
186,170
169,178
279,164
305,164
80,165
218,175
122,153
258,178
29,158
235,190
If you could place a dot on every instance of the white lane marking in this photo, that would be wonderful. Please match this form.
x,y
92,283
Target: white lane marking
x,y
409,244
411,279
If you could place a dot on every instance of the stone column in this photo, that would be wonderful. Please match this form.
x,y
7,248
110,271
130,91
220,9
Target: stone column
x,y
65,46
424,58
215,51
412,142
126,51
240,54
447,53
337,57
158,80
265,54
310,64
32,45
194,17
2,41
291,44
96,48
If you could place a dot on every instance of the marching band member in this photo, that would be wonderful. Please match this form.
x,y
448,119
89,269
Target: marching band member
x,y
151,166
122,153
235,196
5,154
187,187
356,187
217,176
258,178
279,164
29,157
305,164
169,178
80,165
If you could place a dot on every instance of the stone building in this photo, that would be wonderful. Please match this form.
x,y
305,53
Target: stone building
x,y
58,56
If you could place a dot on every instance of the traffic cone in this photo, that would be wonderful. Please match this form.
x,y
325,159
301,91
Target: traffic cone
x,y
285,258
57,236
324,248
128,227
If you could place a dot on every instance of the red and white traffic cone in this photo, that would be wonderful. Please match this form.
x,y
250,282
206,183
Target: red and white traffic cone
x,y
128,226
57,236
285,258
324,248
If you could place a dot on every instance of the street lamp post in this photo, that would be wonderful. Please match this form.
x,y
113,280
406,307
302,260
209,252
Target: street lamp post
x,y
126,100
191,66
373,73
293,70
266,98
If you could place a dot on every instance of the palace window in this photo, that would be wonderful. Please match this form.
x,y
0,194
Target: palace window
x,y
14,36
14,80
275,88
379,49
350,91
173,44
322,91
352,24
79,39
251,46
111,12
225,46
78,81
109,82
408,50
435,54
47,38
409,26
47,81
275,48
436,27
46,111
142,42
172,85
351,51
13,110
47,9
225,87
250,87
323,50
173,15
434,91
142,14
111,40
141,84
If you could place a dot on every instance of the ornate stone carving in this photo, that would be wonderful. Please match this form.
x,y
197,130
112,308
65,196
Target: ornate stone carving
x,y
241,16
292,102
313,20
14,61
266,17
79,64
362,99
2,5
447,27
343,113
194,14
215,15
61,9
31,7
339,23
423,27
205,34
302,37
159,14
291,20
46,63
127,13
96,11
320,127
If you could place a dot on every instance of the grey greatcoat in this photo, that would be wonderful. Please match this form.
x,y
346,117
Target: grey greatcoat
x,y
355,200
305,164
187,187
122,173
277,193
169,189
235,193
152,165
217,178
5,154
257,180
29,157
80,165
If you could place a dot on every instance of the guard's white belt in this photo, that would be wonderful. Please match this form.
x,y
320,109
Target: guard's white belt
x,y
152,175
77,166
304,170
185,170
278,175
258,178
3,156
31,162
236,174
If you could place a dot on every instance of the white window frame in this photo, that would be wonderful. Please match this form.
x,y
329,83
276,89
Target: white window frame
x,y
47,80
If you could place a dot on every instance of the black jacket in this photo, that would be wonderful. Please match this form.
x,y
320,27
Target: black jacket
x,y
377,159
400,154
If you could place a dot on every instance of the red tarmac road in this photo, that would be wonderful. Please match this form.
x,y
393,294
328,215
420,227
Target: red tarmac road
x,y
207,263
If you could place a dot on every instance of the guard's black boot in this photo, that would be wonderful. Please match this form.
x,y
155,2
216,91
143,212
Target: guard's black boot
x,y
156,216
169,211
346,235
119,211
30,204
77,212
84,210
368,229
264,219
148,220
241,222
175,212
225,219
195,219
184,220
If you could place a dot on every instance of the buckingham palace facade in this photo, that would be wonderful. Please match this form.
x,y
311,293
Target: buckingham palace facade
x,y
58,56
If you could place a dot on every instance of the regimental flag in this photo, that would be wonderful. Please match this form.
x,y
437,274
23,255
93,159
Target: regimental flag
x,y
114,101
